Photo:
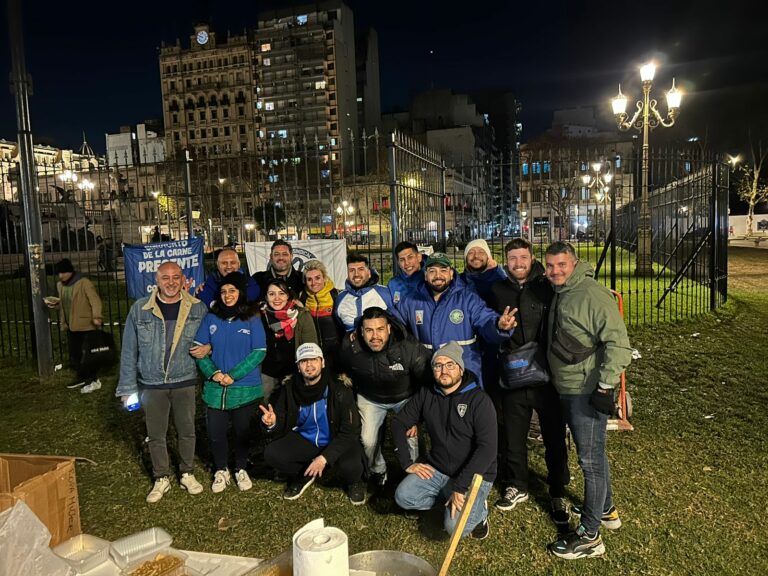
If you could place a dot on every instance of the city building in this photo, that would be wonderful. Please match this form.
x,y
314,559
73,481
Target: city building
x,y
144,144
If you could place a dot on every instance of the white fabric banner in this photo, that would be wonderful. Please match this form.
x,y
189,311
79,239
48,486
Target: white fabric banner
x,y
332,253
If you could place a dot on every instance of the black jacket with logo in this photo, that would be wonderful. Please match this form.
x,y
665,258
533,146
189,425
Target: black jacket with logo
x,y
389,376
462,429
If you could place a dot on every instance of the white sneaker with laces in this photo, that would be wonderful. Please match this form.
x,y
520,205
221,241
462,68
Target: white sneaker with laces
x,y
162,485
221,479
190,483
88,388
243,480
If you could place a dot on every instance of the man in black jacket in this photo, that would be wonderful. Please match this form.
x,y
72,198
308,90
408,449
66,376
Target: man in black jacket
x,y
461,423
527,289
316,425
387,367
280,266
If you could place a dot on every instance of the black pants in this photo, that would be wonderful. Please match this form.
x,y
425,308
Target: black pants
x,y
218,422
76,342
292,453
517,407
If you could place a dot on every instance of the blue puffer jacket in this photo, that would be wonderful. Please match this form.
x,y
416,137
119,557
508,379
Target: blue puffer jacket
x,y
352,302
460,315
482,281
401,285
143,345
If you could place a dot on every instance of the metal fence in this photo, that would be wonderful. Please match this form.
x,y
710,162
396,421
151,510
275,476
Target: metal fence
x,y
373,190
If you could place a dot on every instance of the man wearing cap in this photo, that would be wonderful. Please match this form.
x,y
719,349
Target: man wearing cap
x,y
411,264
442,309
461,423
480,269
362,290
280,266
81,314
155,361
387,366
315,425
227,261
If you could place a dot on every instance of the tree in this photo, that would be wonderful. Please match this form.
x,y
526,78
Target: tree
x,y
752,186
269,218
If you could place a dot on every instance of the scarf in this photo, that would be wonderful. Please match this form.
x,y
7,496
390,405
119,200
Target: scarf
x,y
308,395
321,304
283,322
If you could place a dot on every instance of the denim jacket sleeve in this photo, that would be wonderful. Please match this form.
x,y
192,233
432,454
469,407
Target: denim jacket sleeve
x,y
129,356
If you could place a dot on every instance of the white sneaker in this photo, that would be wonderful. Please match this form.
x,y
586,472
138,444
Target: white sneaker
x,y
162,485
190,483
243,480
221,480
88,388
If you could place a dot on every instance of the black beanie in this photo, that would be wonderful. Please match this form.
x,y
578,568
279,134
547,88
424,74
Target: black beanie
x,y
238,280
63,265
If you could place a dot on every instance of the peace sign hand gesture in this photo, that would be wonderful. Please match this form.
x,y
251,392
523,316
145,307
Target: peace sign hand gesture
x,y
507,320
268,416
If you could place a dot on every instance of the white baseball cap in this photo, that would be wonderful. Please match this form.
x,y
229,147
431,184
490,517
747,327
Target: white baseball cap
x,y
307,351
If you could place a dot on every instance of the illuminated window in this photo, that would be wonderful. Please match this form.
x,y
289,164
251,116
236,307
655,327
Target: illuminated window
x,y
267,62
301,20
269,106
546,167
282,133
537,168
618,161
320,85
525,169
259,105
273,178
266,47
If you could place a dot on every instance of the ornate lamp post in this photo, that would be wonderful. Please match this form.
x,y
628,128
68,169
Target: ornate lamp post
x,y
343,210
645,118
156,195
600,182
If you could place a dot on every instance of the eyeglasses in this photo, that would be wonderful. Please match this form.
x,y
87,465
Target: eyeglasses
x,y
450,366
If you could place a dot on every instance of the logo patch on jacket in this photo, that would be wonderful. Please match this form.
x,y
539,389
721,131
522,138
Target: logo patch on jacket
x,y
397,366
244,331
461,409
419,316
396,297
212,329
456,316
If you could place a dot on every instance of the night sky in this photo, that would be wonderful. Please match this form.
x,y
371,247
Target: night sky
x,y
94,72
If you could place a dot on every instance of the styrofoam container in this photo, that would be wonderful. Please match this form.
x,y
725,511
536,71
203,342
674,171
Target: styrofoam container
x,y
84,552
131,550
181,570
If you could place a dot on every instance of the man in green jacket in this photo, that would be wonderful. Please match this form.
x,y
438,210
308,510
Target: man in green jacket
x,y
588,349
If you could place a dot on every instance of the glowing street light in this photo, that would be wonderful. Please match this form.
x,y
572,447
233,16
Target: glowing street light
x,y
645,118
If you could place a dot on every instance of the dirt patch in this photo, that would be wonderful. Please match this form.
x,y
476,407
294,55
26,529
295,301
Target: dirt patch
x,y
748,269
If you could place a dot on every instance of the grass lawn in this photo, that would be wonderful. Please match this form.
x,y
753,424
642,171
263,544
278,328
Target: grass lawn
x,y
690,481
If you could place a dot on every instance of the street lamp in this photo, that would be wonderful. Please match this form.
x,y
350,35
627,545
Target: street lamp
x,y
345,209
249,226
156,196
599,181
645,118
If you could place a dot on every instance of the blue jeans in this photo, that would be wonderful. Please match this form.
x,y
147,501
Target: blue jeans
x,y
588,428
372,415
413,493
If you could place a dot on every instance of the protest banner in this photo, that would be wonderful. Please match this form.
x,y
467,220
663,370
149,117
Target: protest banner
x,y
143,260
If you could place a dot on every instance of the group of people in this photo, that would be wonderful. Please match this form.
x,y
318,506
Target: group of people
x,y
321,368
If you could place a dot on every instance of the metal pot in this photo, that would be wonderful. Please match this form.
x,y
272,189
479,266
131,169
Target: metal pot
x,y
391,563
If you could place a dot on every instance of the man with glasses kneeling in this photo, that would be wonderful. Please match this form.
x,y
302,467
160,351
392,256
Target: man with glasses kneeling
x,y
461,423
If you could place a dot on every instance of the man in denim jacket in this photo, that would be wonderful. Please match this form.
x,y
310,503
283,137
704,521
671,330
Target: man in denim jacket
x,y
155,361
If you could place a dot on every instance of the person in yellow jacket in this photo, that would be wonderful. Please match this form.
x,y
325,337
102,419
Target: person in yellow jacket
x,y
80,313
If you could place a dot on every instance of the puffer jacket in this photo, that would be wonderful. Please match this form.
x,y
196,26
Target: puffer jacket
x,y
352,302
584,316
389,376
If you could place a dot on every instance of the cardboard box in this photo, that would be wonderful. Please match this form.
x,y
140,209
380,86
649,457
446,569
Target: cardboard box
x,y
48,486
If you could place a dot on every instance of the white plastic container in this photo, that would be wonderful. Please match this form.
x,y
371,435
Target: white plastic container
x,y
84,552
132,550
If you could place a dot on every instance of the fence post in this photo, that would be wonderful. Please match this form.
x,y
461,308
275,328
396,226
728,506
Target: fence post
x,y
394,234
613,236
34,256
188,193
714,234
443,240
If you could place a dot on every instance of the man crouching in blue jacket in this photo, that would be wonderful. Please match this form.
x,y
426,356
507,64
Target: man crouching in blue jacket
x,y
461,422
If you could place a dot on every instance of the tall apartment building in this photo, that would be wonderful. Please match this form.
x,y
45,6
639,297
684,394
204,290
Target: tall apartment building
x,y
290,78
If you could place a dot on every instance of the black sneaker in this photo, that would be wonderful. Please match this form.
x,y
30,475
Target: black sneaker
x,y
610,518
356,493
481,531
297,487
512,497
559,512
578,544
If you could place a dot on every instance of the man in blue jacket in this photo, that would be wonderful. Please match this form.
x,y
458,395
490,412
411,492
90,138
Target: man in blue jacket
x,y
411,263
461,423
362,290
481,271
442,309
155,360
227,261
